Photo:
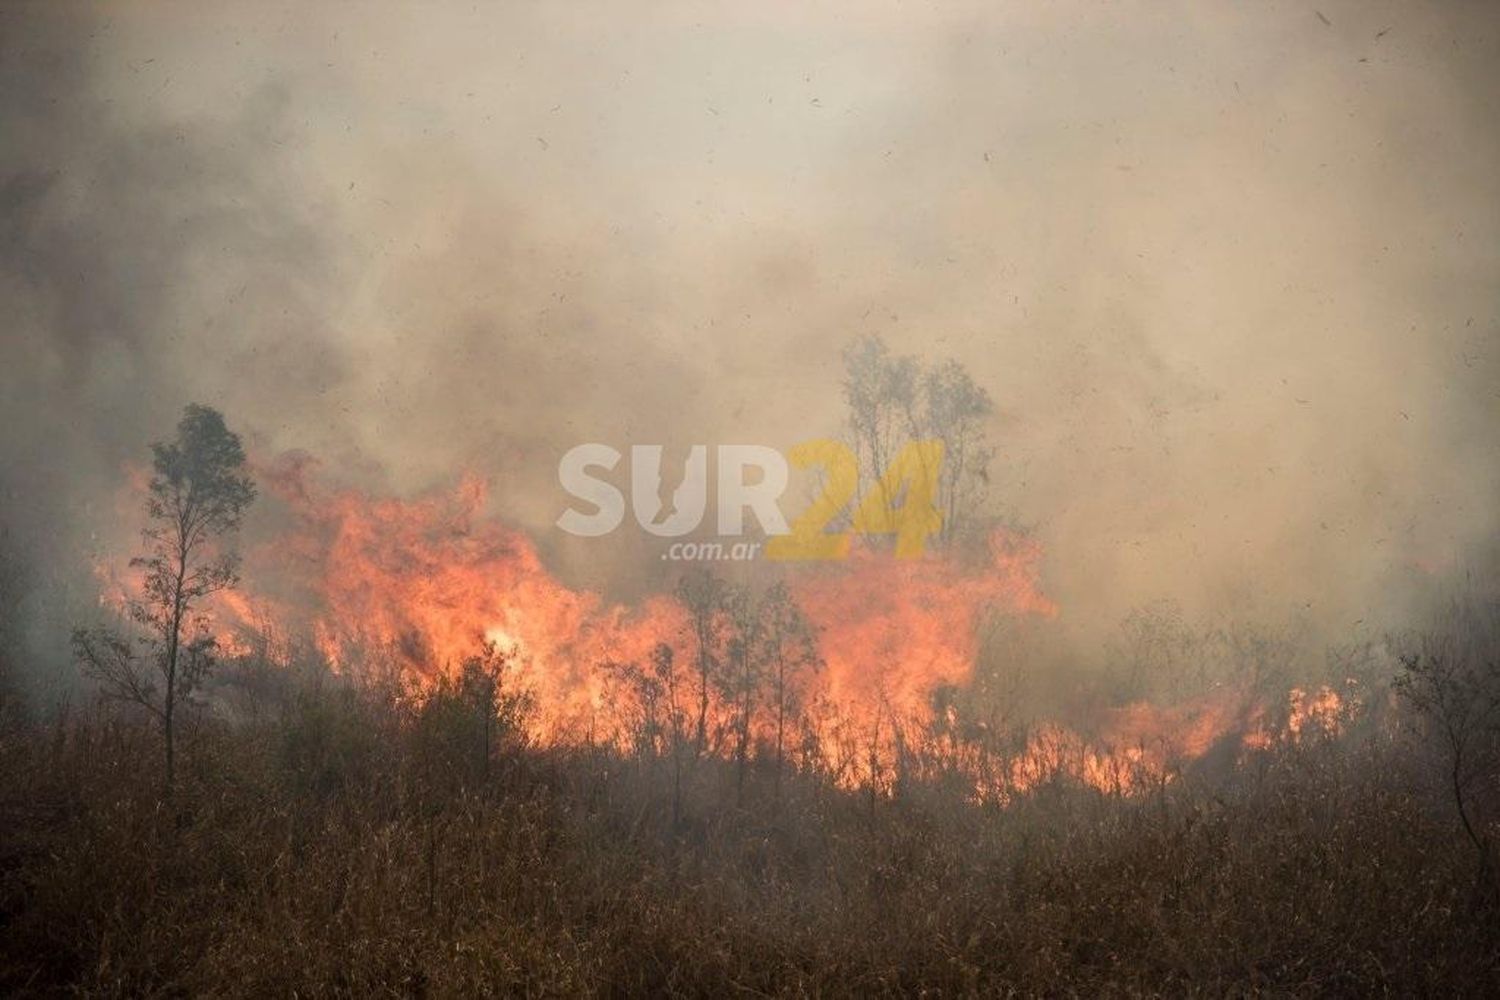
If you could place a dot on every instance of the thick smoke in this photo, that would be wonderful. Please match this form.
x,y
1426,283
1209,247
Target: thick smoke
x,y
1229,272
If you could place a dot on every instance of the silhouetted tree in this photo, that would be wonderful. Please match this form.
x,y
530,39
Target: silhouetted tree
x,y
895,400
747,665
707,599
880,391
954,411
481,683
1452,679
664,672
789,644
196,497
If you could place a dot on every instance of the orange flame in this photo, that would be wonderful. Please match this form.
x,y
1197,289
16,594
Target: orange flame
x,y
421,585
427,582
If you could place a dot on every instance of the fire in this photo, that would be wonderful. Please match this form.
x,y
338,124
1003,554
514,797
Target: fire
x,y
1321,711
427,581
420,586
424,584
893,631
1141,746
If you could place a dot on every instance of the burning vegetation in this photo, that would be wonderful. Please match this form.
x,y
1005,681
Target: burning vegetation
x,y
837,669
415,752
749,500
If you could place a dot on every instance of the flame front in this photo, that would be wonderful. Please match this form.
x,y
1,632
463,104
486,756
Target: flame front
x,y
424,583
420,586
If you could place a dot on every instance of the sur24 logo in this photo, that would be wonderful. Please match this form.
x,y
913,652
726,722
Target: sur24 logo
x,y
910,478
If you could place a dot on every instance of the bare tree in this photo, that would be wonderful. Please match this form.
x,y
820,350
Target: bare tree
x,y
881,393
896,400
664,671
790,647
196,497
497,710
659,726
747,662
1452,680
954,411
643,700
708,599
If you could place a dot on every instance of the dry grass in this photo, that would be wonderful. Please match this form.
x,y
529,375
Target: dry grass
x,y
337,847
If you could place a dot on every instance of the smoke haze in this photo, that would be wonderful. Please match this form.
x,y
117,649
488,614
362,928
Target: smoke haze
x,y
1230,272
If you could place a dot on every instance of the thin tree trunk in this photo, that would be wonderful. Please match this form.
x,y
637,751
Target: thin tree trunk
x,y
1481,844
675,718
744,745
170,703
780,725
702,703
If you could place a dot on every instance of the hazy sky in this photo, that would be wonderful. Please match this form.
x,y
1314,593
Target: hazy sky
x,y
1230,271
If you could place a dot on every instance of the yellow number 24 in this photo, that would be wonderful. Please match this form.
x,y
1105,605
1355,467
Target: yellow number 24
x,y
915,469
